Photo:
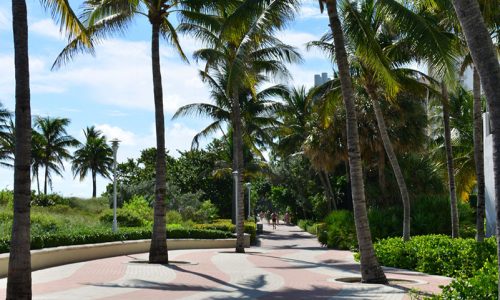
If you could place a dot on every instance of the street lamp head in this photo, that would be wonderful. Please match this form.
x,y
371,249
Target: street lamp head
x,y
114,144
248,184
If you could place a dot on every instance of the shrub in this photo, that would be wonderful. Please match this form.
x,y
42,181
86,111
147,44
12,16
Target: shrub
x,y
124,217
139,206
340,232
173,217
227,226
304,224
89,236
6,198
206,213
47,200
483,285
436,254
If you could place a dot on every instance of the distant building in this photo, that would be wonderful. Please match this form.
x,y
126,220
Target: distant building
x,y
489,177
320,79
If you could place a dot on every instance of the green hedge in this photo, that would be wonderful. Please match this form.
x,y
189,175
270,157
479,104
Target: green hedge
x,y
436,254
483,285
427,217
90,236
227,226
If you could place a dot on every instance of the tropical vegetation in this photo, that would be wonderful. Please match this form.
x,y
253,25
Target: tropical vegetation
x,y
319,153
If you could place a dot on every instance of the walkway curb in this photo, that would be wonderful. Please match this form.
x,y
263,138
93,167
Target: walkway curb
x,y
51,257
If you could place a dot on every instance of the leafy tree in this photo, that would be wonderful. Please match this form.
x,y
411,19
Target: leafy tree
x,y
54,142
95,156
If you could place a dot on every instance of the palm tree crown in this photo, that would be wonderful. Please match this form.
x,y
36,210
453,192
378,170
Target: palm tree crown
x,y
95,155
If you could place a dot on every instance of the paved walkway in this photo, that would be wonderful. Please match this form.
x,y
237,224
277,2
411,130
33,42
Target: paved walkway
x,y
288,264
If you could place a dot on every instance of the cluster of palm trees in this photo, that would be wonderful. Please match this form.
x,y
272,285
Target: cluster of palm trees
x,y
370,44
50,148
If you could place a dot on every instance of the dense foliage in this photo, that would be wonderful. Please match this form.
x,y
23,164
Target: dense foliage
x,y
437,254
430,215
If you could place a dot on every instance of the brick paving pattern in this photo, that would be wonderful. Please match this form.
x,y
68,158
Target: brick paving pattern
x,y
287,264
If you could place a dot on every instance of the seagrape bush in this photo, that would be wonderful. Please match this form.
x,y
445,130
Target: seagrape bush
x,y
430,215
483,285
436,254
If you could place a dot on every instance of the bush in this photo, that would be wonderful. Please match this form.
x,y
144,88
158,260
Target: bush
x,y
47,200
436,254
124,217
206,213
6,198
139,206
430,215
227,226
339,230
90,236
483,285
173,217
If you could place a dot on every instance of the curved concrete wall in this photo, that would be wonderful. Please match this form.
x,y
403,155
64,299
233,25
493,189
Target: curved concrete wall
x,y
50,257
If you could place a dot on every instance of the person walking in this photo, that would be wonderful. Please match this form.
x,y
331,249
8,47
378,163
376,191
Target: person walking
x,y
274,218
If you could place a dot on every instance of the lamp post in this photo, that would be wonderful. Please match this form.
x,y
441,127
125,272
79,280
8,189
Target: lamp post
x,y
249,186
114,146
236,194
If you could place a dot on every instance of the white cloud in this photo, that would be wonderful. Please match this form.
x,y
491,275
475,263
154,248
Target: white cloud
x,y
126,138
46,28
299,40
120,75
310,10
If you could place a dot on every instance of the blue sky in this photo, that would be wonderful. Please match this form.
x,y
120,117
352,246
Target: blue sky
x,y
113,90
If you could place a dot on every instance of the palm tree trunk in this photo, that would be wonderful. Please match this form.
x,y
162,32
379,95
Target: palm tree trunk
x,y
321,175
46,179
158,252
330,191
478,155
94,184
371,272
393,160
486,61
37,182
449,163
381,173
19,272
238,166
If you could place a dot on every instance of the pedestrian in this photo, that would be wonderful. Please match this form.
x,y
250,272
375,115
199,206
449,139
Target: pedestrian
x,y
287,218
274,218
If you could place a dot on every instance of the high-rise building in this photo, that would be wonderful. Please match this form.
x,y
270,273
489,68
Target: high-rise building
x,y
320,79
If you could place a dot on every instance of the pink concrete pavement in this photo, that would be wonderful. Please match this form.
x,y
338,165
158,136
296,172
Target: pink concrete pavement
x,y
287,264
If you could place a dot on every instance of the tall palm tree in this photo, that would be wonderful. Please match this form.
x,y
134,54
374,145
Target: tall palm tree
x,y
19,275
371,272
486,61
105,18
95,156
379,47
242,49
54,143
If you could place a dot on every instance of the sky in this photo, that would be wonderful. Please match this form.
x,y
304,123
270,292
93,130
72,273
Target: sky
x,y
113,90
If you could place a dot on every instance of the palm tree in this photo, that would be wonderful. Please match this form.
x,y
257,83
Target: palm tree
x,y
105,18
371,272
54,143
95,156
19,278
486,61
37,153
242,51
6,137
